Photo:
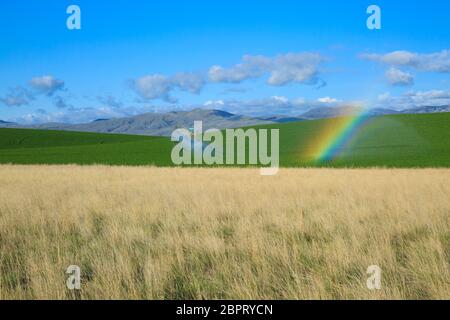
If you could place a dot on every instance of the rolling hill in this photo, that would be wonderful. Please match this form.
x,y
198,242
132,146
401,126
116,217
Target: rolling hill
x,y
413,140
163,124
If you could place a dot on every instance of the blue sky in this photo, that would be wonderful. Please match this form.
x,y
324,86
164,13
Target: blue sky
x,y
249,57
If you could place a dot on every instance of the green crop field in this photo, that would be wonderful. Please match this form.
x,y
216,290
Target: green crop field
x,y
391,141
25,146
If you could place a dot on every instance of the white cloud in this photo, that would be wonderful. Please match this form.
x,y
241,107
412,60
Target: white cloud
x,y
275,105
21,95
47,85
191,82
429,98
236,74
16,97
327,100
438,62
214,103
397,77
73,115
415,99
158,86
397,58
282,69
153,87
299,68
432,62
280,99
255,107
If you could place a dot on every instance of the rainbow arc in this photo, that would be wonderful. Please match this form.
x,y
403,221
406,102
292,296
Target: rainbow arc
x,y
336,135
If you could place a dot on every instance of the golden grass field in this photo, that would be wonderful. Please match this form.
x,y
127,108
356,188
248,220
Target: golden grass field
x,y
166,233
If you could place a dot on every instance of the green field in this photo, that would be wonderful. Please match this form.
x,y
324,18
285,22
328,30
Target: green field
x,y
390,141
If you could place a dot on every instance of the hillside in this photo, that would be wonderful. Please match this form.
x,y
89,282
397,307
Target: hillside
x,y
393,140
412,140
27,146
163,124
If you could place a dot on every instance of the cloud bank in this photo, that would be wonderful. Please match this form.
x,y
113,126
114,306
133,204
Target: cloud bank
x,y
299,68
47,85
282,69
397,77
17,96
415,99
158,86
44,85
432,62
437,62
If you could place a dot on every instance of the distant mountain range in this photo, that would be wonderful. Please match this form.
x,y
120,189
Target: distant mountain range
x,y
162,124
330,112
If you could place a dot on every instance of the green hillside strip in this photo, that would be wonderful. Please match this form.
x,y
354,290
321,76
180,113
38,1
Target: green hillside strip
x,y
23,146
29,138
393,141
390,141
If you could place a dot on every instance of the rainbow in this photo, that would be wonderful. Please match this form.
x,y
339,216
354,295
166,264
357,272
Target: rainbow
x,y
335,135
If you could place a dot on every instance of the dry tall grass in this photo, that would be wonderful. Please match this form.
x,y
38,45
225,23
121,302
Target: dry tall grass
x,y
159,233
